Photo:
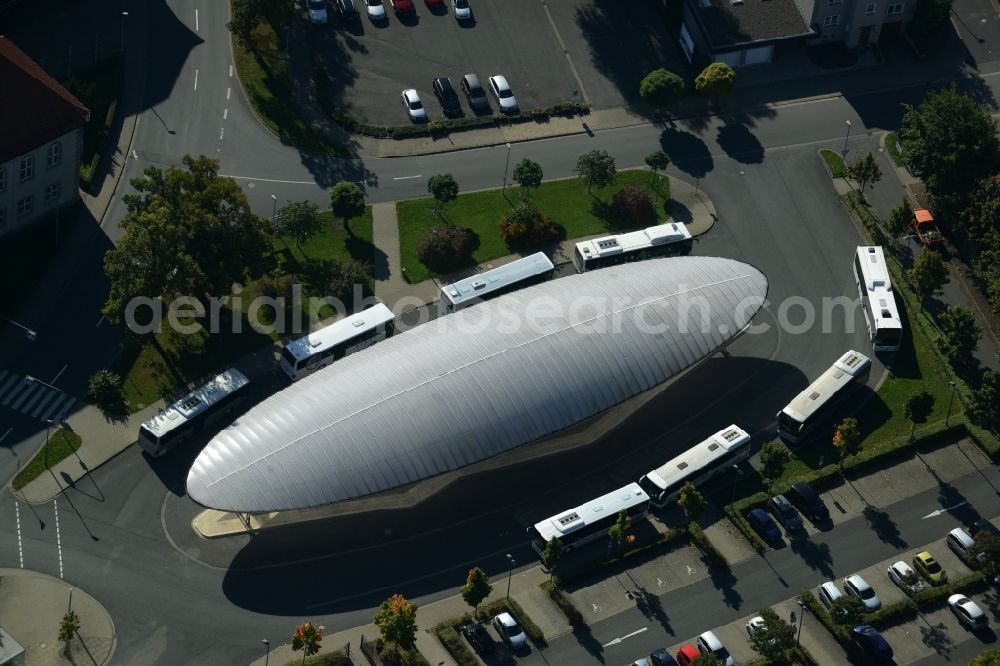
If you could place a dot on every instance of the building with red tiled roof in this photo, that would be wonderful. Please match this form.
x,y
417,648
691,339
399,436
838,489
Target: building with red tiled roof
x,y
40,144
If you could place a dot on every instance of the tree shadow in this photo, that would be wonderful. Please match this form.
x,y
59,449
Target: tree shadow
x,y
936,637
651,606
817,556
724,581
687,152
587,641
740,143
883,526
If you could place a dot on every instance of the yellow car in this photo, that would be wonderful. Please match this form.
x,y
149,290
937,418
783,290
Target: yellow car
x,y
928,567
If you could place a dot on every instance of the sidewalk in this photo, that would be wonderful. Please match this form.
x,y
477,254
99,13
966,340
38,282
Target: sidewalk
x,y
48,599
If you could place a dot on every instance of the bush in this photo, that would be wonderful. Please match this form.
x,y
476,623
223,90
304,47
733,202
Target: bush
x,y
901,611
524,226
104,389
455,644
335,658
703,543
736,512
494,608
633,206
564,603
445,248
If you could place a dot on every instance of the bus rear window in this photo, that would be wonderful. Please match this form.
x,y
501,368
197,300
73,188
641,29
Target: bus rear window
x,y
146,435
288,356
888,337
788,424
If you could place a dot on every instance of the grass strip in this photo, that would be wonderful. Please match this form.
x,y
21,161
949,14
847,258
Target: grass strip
x,y
60,445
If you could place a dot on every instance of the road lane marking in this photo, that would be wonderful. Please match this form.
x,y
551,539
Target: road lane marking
x,y
221,132
101,320
55,508
225,114
230,71
5,437
17,517
408,177
616,641
196,20
934,514
229,91
135,155
196,79
59,374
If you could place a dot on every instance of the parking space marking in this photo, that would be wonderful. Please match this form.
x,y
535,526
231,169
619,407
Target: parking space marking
x,y
59,374
562,45
618,640
55,508
101,320
408,177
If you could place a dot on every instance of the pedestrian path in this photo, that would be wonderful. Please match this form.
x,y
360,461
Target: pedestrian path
x,y
33,398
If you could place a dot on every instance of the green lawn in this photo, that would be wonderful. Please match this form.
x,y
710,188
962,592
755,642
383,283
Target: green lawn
x,y
60,445
98,87
156,366
834,161
565,201
892,147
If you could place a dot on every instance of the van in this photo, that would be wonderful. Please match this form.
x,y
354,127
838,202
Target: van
x,y
962,545
347,10
808,502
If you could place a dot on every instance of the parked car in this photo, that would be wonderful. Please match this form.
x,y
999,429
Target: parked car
x,y
756,624
828,593
503,94
478,638
403,6
858,587
785,513
414,107
687,654
662,658
376,10
317,11
461,9
906,578
928,567
445,92
641,662
871,642
809,503
474,93
967,611
983,526
708,642
510,631
347,10
963,545
764,525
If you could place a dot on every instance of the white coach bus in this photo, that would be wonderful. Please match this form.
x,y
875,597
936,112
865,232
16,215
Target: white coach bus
x,y
321,348
515,275
813,405
590,521
885,328
663,240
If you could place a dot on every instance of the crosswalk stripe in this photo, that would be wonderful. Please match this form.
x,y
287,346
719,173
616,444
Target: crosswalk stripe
x,y
24,396
53,409
9,383
14,392
64,412
41,405
31,403
3,375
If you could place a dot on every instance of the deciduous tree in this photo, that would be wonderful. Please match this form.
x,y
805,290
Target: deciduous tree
x,y
986,658
899,219
773,638
299,220
847,438
661,88
692,501
69,625
618,532
917,409
707,659
528,174
552,554
717,80
987,551
773,457
984,407
633,205
477,587
657,161
865,172
982,214
596,168
928,274
524,226
443,188
396,619
445,248
847,610
307,638
959,334
347,201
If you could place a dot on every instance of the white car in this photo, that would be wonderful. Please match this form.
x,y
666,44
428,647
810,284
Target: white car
x,y
503,94
709,642
461,9
858,587
905,578
414,107
376,10
317,11
967,611
756,624
510,631
828,593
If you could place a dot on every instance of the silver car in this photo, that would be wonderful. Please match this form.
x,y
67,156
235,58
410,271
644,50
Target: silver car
x,y
510,631
414,107
376,10
461,9
967,611
858,587
503,94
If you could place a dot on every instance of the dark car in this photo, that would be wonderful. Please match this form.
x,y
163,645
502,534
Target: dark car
x,y
347,9
808,502
445,92
871,642
475,93
763,524
662,658
478,638
785,513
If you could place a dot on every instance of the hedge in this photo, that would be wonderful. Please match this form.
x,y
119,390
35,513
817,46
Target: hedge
x,y
494,608
706,546
973,582
564,603
455,644
901,611
335,658
839,632
736,511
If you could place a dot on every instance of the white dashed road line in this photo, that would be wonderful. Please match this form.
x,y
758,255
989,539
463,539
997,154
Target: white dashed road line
x,y
55,508
230,71
408,177
221,132
17,517
229,91
196,79
225,114
196,20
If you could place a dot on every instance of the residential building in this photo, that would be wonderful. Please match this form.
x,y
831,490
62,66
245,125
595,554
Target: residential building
x,y
41,142
745,32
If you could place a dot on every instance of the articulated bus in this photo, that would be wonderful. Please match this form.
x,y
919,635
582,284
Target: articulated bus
x,y
515,275
321,348
663,240
590,521
813,405
206,405
875,289
696,465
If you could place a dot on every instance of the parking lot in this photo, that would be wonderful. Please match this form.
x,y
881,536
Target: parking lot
x,y
603,60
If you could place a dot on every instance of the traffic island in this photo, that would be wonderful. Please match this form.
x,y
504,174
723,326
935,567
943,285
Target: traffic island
x,y
33,604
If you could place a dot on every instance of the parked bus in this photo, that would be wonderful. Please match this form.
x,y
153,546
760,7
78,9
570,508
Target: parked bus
x,y
697,464
813,405
663,240
321,348
875,289
589,522
515,275
211,403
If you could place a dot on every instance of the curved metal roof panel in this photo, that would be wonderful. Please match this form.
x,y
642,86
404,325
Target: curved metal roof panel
x,y
477,383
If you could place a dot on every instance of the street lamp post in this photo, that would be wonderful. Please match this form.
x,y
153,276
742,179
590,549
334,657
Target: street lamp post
x,y
28,333
951,400
510,572
802,613
274,206
267,650
848,136
505,167
124,16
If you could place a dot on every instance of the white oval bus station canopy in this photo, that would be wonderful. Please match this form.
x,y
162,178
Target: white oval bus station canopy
x,y
476,383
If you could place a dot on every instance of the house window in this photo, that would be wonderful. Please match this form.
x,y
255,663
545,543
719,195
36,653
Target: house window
x,y
896,10
52,192
831,20
3,217
3,180
53,156
870,9
26,205
27,167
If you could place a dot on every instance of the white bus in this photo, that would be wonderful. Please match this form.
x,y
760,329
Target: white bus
x,y
663,240
208,404
515,275
591,521
885,328
696,465
812,405
321,348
